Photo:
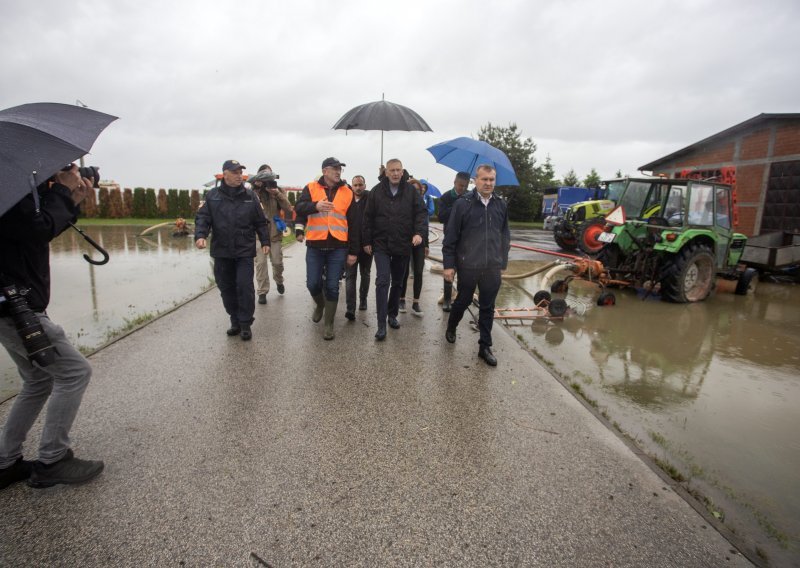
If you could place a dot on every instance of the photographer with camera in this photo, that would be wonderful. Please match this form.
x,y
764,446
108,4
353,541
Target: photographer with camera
x,y
273,200
50,367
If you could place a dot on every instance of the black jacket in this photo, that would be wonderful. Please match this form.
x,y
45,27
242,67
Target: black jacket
x,y
446,205
390,222
233,216
358,216
477,236
305,207
25,242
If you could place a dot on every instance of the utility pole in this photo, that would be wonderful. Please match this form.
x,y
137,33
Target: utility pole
x,y
80,103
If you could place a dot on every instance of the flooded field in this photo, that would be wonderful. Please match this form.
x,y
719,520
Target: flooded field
x,y
712,389
145,275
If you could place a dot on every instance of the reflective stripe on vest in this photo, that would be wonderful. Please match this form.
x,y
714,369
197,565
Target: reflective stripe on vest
x,y
320,225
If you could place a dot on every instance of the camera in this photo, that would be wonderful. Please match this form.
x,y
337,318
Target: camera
x,y
91,173
266,178
34,338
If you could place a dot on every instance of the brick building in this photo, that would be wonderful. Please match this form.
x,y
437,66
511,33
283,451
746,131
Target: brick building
x,y
761,158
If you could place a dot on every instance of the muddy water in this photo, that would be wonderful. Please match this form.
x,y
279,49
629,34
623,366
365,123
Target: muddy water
x,y
712,388
145,275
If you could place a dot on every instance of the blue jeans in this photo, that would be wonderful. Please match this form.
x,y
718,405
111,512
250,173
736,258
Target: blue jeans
x,y
329,263
388,282
234,277
63,382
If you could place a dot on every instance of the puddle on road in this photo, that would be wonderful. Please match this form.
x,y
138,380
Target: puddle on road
x,y
712,388
145,275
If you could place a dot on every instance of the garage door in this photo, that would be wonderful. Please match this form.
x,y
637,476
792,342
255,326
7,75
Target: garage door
x,y
782,205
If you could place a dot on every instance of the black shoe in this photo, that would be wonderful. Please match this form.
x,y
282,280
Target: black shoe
x,y
67,470
380,335
17,471
262,298
281,289
362,305
450,335
415,309
402,308
234,330
393,323
485,353
350,315
446,306
247,333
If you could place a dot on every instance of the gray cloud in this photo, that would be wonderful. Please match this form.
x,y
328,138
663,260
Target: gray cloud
x,y
607,85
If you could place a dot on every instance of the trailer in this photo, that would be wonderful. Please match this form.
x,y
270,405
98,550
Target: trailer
x,y
772,251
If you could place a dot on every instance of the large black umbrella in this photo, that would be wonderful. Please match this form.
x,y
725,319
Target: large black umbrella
x,y
382,115
38,139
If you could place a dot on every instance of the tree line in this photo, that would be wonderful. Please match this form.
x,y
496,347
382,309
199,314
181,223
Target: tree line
x,y
146,203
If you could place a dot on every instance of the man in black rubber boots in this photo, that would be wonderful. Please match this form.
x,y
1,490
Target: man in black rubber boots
x,y
476,244
233,216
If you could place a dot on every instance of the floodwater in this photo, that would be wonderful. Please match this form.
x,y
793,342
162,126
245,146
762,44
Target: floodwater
x,y
712,388
145,275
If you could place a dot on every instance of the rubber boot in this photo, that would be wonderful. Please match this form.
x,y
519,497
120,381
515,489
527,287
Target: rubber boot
x,y
330,314
320,301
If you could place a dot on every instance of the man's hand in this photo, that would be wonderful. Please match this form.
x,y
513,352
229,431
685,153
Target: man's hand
x,y
368,249
351,259
416,240
200,243
324,206
71,179
265,249
449,274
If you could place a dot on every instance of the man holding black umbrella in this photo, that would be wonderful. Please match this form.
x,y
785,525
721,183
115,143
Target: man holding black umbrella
x,y
50,367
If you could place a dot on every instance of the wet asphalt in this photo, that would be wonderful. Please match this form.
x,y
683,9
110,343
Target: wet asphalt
x,y
290,450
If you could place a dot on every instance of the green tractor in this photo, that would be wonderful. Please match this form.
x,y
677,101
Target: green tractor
x,y
674,237
584,221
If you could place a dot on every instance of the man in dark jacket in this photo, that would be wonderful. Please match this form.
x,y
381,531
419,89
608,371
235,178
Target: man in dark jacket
x,y
325,219
476,244
232,215
446,202
364,262
394,221
25,234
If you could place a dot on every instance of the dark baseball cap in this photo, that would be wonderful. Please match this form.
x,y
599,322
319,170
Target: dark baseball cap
x,y
232,165
332,163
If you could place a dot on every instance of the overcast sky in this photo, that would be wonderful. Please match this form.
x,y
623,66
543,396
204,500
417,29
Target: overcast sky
x,y
609,85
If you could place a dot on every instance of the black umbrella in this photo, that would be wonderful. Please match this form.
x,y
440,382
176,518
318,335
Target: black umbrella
x,y
38,139
382,115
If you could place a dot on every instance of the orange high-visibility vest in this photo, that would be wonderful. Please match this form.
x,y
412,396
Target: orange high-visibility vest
x,y
320,225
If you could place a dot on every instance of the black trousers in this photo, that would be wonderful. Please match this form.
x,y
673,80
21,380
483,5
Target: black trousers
x,y
390,271
363,266
488,283
234,277
417,262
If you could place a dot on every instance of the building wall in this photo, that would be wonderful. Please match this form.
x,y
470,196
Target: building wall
x,y
752,151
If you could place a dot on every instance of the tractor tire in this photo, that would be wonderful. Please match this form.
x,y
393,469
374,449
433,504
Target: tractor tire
x,y
559,287
689,275
565,243
557,308
747,282
540,296
606,299
610,255
588,242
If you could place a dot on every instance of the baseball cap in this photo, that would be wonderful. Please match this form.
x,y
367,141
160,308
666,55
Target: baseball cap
x,y
332,163
232,165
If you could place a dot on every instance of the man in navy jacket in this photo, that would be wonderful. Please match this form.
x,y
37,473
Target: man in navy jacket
x,y
476,244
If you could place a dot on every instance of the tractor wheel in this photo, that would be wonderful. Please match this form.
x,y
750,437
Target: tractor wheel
x,y
689,275
559,287
606,299
557,308
610,255
565,242
540,296
588,242
747,282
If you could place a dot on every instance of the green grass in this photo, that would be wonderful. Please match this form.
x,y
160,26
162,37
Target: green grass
x,y
84,222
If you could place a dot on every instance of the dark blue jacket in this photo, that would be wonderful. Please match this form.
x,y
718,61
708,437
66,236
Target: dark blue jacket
x,y
391,221
232,216
477,236
446,202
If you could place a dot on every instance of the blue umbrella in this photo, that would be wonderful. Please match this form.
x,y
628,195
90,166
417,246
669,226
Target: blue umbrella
x,y
433,191
465,155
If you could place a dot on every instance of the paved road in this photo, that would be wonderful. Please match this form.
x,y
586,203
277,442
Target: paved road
x,y
291,451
